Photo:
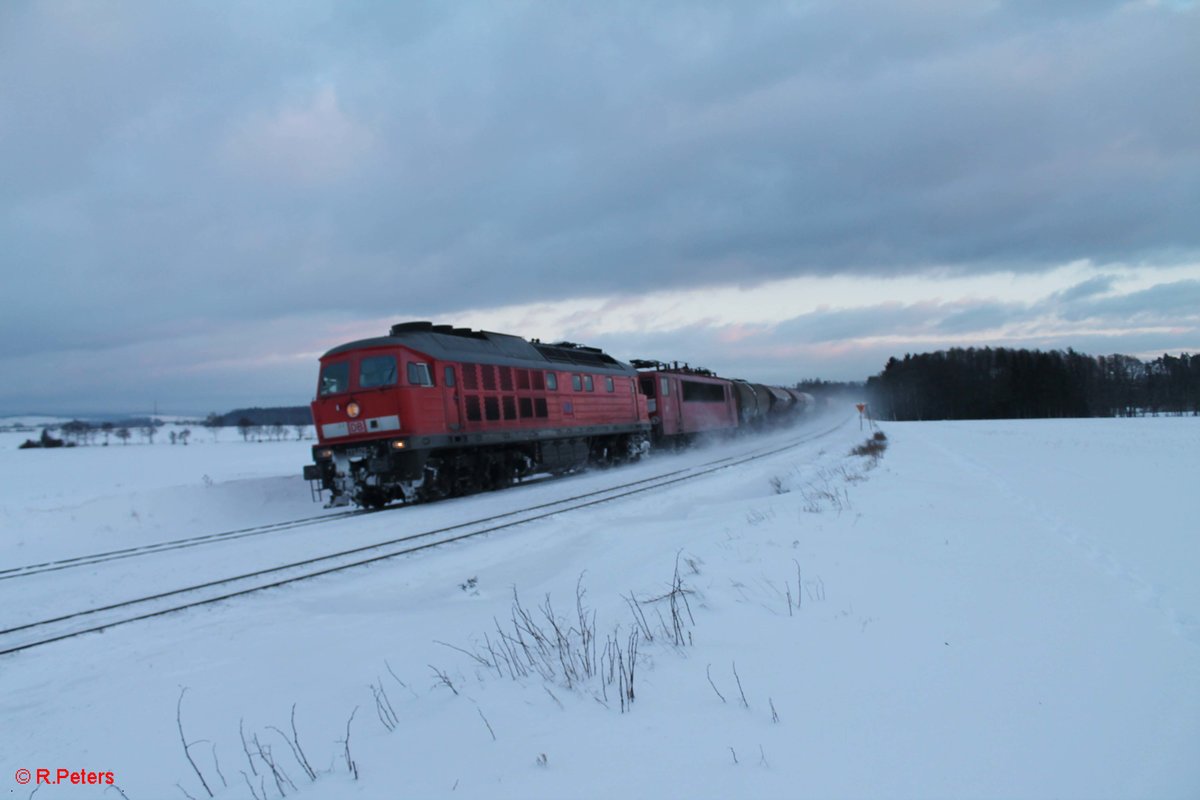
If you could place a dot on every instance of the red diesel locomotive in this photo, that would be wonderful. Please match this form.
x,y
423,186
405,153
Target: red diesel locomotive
x,y
430,411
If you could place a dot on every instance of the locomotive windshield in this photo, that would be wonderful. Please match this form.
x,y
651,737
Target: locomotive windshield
x,y
335,378
377,371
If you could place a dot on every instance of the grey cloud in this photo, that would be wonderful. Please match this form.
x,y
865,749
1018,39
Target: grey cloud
x,y
1166,302
1085,289
831,326
982,317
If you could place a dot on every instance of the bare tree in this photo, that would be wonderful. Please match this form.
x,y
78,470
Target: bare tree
x,y
213,423
75,431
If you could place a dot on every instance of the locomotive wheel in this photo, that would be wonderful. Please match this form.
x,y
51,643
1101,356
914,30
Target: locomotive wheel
x,y
500,475
439,482
373,498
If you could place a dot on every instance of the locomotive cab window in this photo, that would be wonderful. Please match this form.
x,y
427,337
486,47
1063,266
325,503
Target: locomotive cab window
x,y
587,382
376,371
608,385
577,383
418,374
449,381
335,378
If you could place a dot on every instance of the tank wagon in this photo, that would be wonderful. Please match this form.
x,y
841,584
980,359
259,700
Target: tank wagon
x,y
432,410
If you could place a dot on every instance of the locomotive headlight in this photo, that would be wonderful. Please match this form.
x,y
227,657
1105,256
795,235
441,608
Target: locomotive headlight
x,y
353,409
399,444
326,453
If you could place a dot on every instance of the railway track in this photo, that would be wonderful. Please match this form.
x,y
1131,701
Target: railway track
x,y
197,541
66,626
175,544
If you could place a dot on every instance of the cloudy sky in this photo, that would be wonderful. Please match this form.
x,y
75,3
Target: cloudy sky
x,y
198,198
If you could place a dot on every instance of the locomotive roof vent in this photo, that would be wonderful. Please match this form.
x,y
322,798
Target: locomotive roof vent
x,y
579,347
571,353
409,327
421,326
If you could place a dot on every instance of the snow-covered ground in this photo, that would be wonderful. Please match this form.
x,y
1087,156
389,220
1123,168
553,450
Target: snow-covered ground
x,y
992,609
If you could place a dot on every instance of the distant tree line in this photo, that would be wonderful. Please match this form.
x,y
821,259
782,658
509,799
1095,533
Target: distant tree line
x,y
820,388
278,415
258,424
254,424
79,432
1001,383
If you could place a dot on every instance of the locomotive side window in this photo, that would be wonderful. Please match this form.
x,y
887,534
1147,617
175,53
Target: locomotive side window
x,y
376,371
587,382
608,385
696,392
449,377
577,383
539,407
666,386
335,378
647,385
526,404
418,374
552,381
538,380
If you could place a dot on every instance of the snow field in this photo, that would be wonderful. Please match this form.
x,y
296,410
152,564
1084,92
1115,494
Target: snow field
x,y
993,609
